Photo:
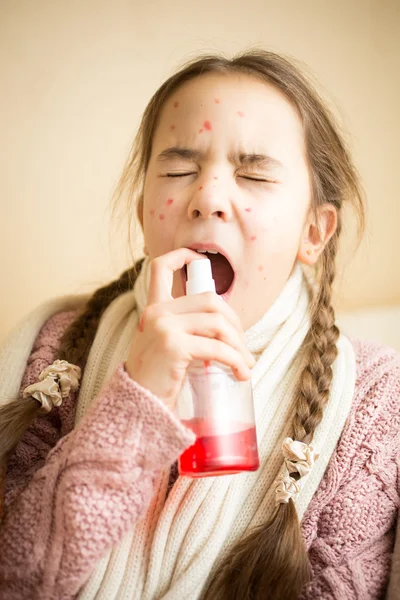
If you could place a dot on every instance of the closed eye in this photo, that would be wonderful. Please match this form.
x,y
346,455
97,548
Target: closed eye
x,y
256,179
181,174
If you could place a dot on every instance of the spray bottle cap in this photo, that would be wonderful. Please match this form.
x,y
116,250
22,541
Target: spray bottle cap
x,y
199,277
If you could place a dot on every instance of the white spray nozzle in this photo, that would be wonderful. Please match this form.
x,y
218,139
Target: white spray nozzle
x,y
199,277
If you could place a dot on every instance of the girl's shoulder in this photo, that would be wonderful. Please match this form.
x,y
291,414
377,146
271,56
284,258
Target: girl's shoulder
x,y
377,375
46,345
349,525
377,392
371,355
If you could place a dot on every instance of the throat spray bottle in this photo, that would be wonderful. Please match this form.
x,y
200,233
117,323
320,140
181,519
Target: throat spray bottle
x,y
216,406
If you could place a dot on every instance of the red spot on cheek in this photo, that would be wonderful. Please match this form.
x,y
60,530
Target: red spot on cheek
x,y
176,104
161,217
240,113
207,125
248,209
201,187
152,212
253,238
260,268
201,130
172,127
215,177
139,364
217,101
170,201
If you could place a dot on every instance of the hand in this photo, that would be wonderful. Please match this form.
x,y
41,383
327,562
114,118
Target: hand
x,y
174,332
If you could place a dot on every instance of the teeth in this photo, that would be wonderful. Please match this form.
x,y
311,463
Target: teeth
x,y
209,251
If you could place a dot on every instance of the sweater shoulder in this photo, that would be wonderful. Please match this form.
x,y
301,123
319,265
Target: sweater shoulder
x,y
54,328
377,366
370,353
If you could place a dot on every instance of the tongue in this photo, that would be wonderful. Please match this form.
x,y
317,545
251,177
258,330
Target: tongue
x,y
222,272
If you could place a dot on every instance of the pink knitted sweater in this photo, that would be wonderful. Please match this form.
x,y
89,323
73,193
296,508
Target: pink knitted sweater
x,y
72,493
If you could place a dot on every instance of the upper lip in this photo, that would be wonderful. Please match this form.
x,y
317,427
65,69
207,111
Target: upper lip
x,y
211,246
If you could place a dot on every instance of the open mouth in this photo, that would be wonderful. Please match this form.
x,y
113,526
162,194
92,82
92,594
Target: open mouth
x,y
222,271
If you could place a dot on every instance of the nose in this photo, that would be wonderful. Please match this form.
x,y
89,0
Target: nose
x,y
210,201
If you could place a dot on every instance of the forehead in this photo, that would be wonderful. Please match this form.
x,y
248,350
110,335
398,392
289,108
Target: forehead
x,y
236,108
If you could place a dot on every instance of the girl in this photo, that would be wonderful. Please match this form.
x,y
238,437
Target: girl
x,y
238,158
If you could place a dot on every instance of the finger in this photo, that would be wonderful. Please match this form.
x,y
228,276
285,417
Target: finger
x,y
213,326
208,302
202,348
162,272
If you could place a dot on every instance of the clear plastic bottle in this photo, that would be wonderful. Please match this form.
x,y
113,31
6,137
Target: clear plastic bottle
x,y
217,407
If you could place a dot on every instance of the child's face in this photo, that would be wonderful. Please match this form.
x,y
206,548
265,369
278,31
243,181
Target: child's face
x,y
207,183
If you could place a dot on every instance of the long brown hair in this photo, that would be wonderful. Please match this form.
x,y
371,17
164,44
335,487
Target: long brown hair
x,y
271,561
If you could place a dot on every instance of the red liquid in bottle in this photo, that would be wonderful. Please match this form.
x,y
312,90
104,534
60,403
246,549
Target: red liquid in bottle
x,y
220,453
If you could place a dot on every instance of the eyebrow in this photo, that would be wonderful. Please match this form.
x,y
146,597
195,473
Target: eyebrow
x,y
237,158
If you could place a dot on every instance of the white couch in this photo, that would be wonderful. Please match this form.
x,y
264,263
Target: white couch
x,y
381,324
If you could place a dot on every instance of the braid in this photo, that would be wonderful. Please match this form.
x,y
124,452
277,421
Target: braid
x,y
16,416
272,561
317,376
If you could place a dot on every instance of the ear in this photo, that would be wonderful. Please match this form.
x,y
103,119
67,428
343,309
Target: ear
x,y
317,233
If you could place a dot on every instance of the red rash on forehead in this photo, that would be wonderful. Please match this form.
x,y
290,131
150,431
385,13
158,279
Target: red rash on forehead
x,y
161,217
217,101
170,201
240,113
207,125
172,127
176,104
201,187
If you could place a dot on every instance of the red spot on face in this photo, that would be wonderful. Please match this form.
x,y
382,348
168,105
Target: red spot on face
x,y
170,201
152,212
217,101
240,113
201,130
207,125
215,177
161,217
172,127
253,238
176,104
248,209
260,268
201,187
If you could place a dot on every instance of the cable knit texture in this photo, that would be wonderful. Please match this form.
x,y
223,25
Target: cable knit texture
x,y
72,493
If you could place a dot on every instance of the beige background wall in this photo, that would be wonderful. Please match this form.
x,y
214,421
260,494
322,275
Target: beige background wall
x,y
76,75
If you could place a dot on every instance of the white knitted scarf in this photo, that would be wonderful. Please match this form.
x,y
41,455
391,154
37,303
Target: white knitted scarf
x,y
177,544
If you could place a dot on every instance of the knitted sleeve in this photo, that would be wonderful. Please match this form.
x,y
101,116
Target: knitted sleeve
x,y
93,484
45,431
394,582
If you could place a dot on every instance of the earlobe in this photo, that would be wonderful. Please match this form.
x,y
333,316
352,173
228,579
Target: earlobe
x,y
317,235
